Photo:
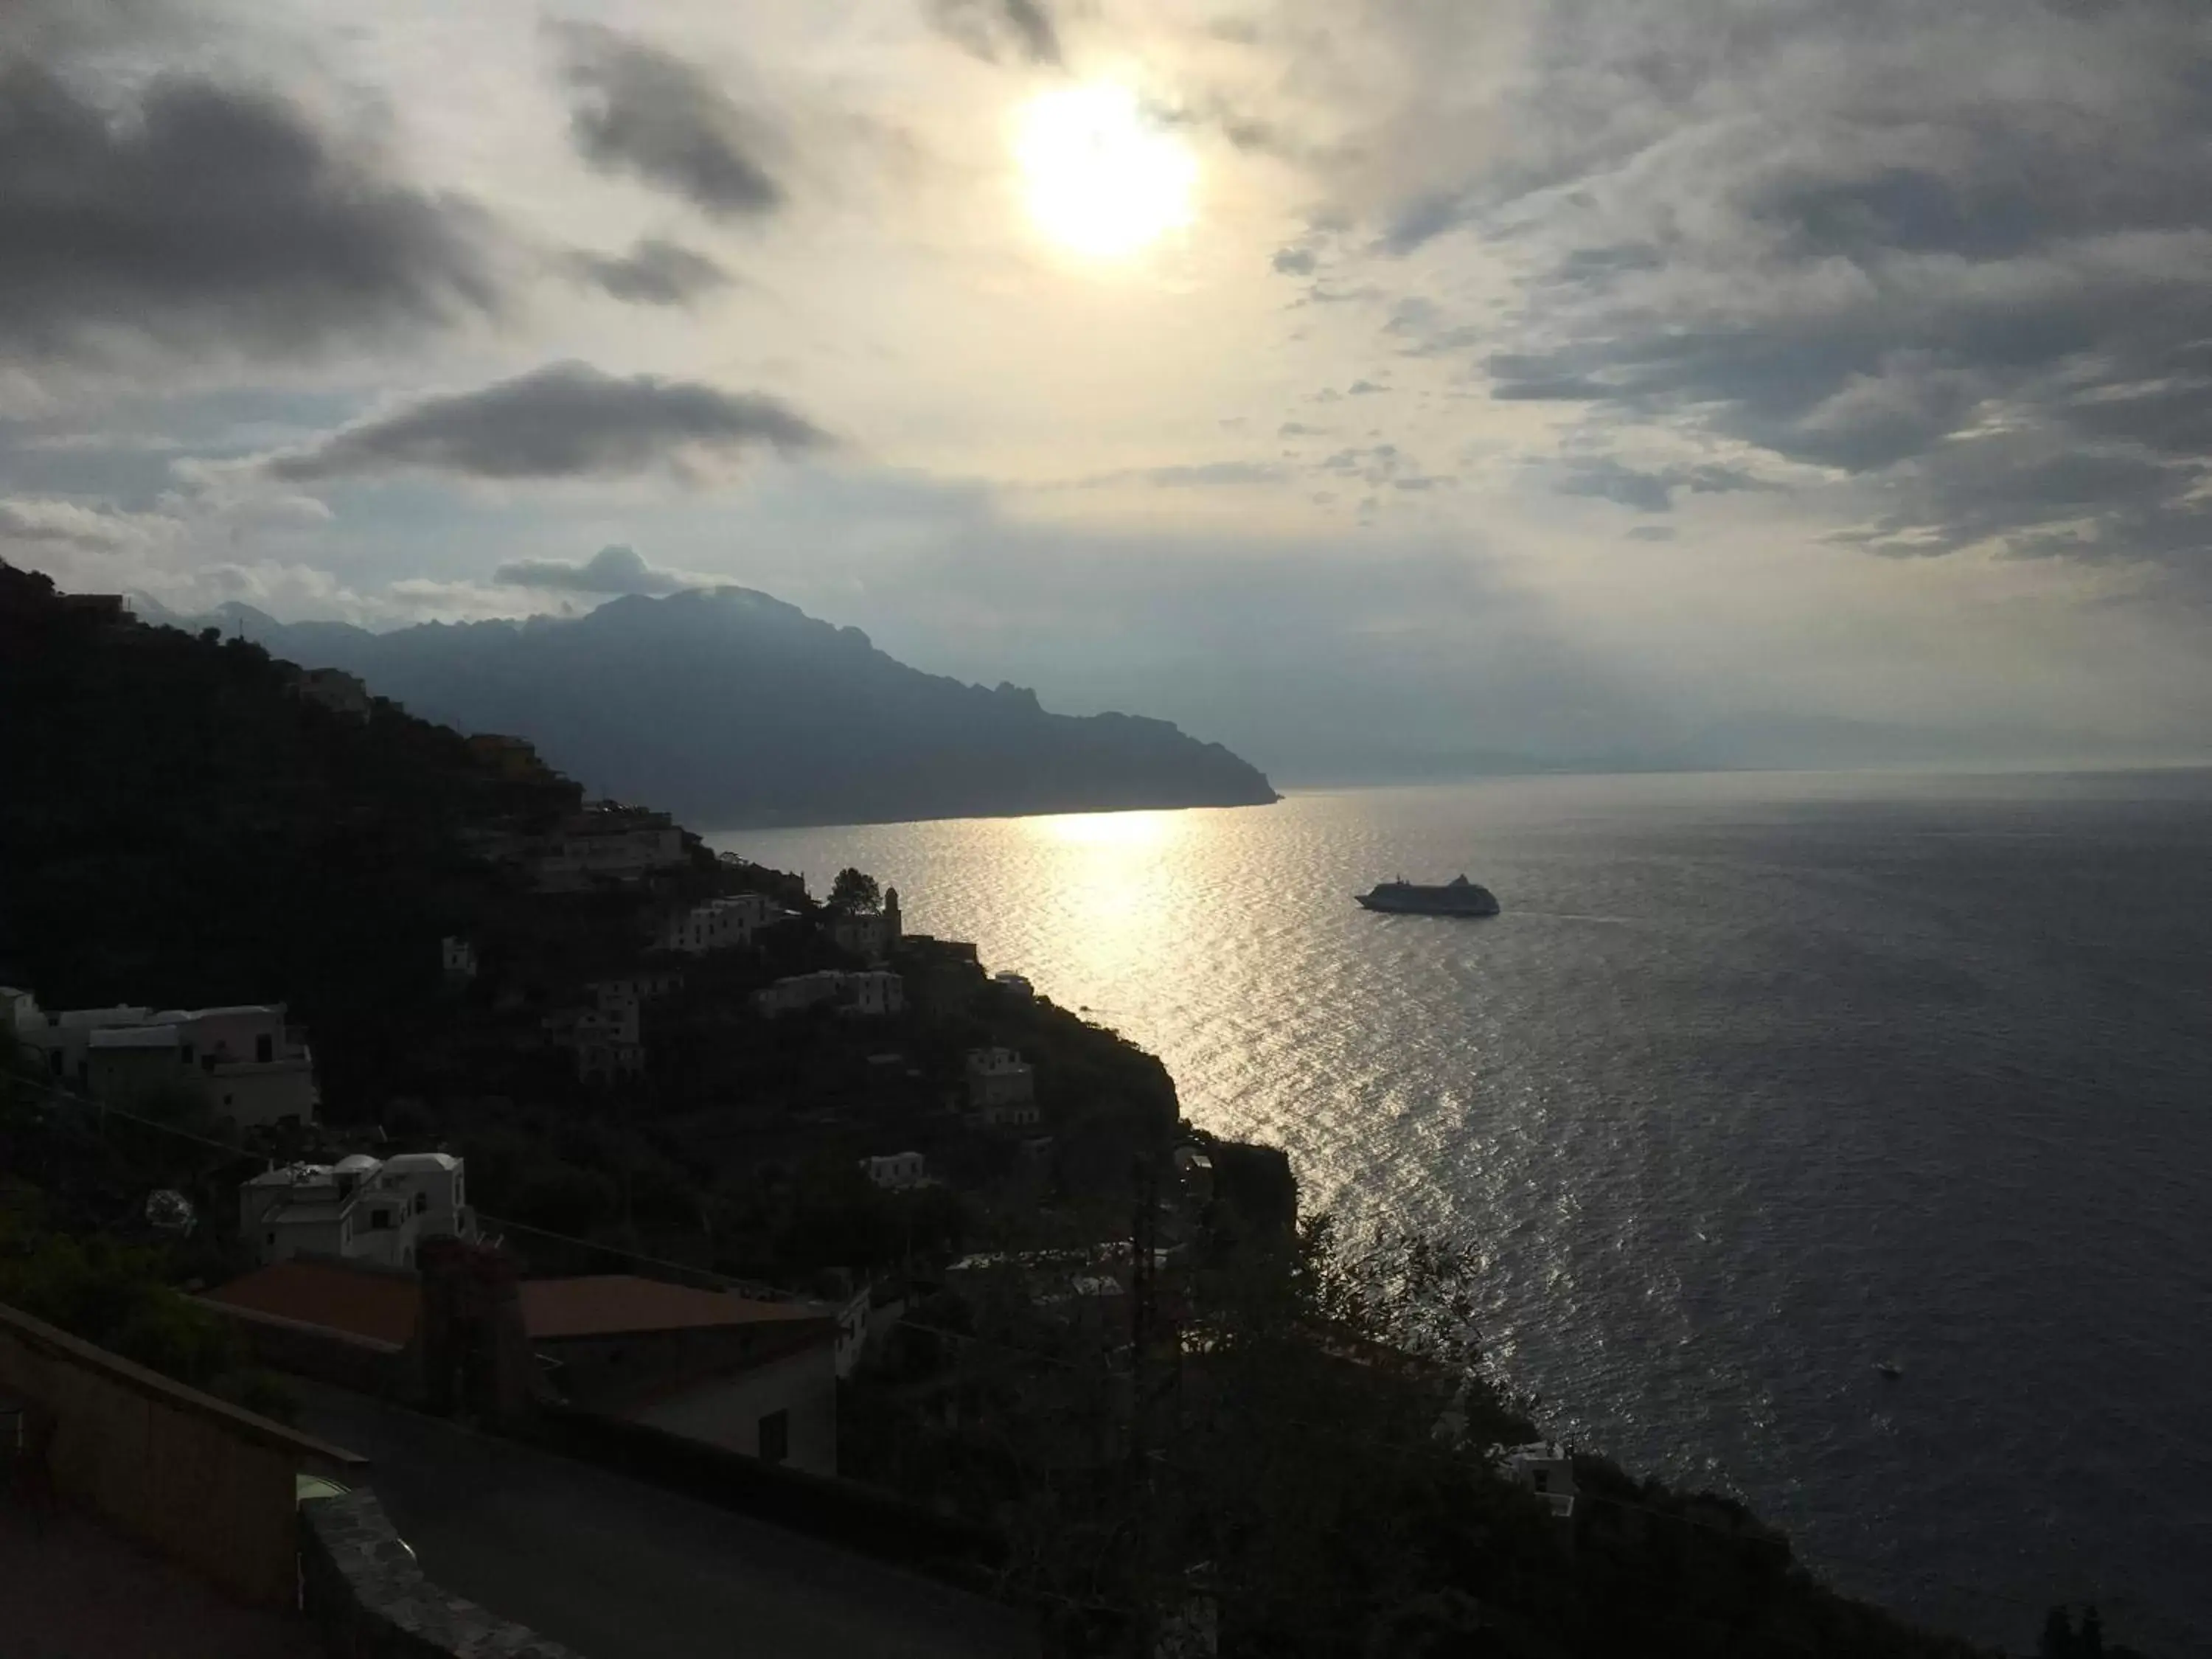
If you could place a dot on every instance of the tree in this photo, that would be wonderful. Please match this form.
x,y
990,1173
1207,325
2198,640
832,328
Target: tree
x,y
855,893
2058,1639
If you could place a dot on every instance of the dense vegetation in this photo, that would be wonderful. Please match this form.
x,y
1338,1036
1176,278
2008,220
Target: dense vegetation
x,y
177,829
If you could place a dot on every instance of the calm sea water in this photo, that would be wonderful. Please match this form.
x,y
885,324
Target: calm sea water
x,y
1758,1080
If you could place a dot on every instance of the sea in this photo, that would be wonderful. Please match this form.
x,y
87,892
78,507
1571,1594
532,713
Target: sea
x,y
1759,1081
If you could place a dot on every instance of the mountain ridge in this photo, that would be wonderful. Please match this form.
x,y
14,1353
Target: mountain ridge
x,y
735,709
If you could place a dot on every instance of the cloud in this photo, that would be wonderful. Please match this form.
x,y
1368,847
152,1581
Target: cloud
x,y
69,524
640,110
652,273
194,213
1932,253
1605,479
1204,475
567,420
1363,388
1213,475
609,570
1295,261
995,29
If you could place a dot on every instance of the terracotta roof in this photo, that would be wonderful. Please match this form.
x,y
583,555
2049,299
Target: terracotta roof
x,y
610,1304
361,1301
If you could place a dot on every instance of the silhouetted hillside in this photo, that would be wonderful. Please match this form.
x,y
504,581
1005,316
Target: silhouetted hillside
x,y
731,708
179,828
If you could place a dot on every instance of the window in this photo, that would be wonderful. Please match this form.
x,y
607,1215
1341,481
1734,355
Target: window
x,y
185,1053
775,1437
264,1047
272,1238
1543,1480
421,1203
379,1221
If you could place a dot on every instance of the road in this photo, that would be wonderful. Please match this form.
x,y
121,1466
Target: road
x,y
616,1569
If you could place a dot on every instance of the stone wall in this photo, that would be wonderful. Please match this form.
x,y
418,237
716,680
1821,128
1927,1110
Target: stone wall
x,y
370,1601
189,1475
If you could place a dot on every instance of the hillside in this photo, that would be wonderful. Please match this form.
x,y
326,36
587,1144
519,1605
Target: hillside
x,y
200,832
734,710
178,829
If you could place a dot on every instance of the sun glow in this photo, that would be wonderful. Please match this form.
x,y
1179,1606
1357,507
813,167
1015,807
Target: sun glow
x,y
1100,177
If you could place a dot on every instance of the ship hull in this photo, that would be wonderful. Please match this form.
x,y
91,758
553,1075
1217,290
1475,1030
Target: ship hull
x,y
1412,905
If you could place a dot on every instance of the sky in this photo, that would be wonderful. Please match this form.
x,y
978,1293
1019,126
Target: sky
x,y
1374,386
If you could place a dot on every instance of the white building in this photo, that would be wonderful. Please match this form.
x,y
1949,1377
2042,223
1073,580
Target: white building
x,y
874,993
758,1378
245,1061
799,991
896,1171
335,689
870,993
359,1208
1000,1081
1546,1469
435,1185
606,1041
633,989
19,1011
872,936
609,842
1194,1169
609,1063
718,924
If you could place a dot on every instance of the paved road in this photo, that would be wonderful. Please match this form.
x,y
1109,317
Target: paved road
x,y
620,1569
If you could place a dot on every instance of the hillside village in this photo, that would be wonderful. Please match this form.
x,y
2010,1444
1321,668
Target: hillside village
x,y
347,1057
710,1036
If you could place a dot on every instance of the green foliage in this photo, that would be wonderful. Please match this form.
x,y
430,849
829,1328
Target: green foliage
x,y
855,893
111,1294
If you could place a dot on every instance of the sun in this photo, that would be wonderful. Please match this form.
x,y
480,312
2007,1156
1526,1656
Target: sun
x,y
1100,177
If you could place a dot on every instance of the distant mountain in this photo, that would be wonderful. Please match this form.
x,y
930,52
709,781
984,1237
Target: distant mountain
x,y
734,710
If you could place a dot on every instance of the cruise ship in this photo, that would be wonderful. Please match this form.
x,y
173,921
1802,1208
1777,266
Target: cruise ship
x,y
1458,897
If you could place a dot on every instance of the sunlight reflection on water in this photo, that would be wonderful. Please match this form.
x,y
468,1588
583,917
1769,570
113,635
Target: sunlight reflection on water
x,y
1754,1079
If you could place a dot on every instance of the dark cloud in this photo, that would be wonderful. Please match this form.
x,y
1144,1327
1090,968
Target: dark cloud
x,y
994,30
609,570
1609,481
567,420
1605,479
640,110
1364,388
1295,261
195,213
1376,464
652,273
1937,252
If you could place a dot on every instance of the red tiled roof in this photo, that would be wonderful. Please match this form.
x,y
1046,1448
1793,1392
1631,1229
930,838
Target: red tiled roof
x,y
379,1304
610,1304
